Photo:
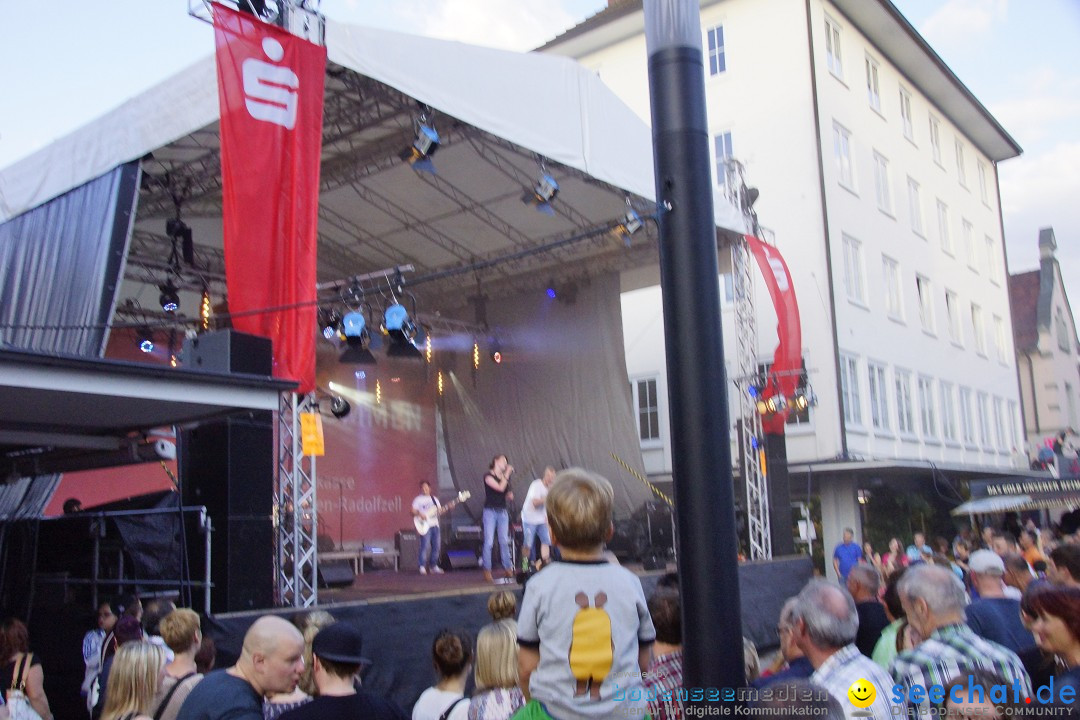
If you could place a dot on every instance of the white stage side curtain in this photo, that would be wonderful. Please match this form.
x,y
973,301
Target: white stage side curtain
x,y
60,266
560,396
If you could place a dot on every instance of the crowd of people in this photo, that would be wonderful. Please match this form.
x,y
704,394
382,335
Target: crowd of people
x,y
585,642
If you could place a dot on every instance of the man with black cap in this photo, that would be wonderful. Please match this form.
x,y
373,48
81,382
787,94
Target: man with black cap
x,y
336,662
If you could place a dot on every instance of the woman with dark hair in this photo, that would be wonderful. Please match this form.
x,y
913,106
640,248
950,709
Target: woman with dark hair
x,y
452,655
977,704
496,517
20,668
1056,626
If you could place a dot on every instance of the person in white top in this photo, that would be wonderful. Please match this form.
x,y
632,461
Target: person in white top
x,y
534,519
426,506
452,654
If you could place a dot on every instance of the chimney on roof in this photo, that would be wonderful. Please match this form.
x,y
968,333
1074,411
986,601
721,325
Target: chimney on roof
x,y
1047,243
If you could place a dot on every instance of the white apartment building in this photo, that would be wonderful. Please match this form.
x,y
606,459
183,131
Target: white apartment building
x,y
877,170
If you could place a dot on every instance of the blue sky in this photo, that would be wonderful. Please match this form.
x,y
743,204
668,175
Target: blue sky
x,y
68,61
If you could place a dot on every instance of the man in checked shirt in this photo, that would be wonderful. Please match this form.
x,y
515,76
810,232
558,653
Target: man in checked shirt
x,y
663,679
934,600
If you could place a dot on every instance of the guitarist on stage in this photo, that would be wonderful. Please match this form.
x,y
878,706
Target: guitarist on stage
x,y
426,506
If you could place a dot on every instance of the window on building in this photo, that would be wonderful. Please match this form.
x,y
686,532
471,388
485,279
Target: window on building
x,y
915,206
948,412
961,168
935,139
990,260
905,404
978,329
984,191
1014,428
842,153
853,270
1001,441
1000,345
834,56
648,409
849,388
967,421
894,304
952,312
881,183
905,114
717,60
982,412
927,419
728,281
873,90
879,400
969,244
943,227
1061,329
722,151
1070,402
926,303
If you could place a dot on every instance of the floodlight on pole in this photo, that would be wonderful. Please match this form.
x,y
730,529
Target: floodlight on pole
x,y
543,193
423,147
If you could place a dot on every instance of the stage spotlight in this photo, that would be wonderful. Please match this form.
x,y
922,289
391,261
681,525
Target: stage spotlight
x,y
169,298
776,403
331,323
542,194
401,330
422,149
551,292
629,224
357,339
146,339
497,357
339,406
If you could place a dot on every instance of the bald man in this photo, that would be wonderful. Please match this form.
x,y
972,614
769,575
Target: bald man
x,y
271,662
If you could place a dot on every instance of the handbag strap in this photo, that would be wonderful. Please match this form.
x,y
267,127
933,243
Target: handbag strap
x,y
18,679
168,697
450,709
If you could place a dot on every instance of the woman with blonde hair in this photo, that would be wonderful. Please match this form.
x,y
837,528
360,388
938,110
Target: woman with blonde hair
x,y
497,694
136,672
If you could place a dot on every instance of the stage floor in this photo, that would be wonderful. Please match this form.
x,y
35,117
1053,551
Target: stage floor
x,y
391,586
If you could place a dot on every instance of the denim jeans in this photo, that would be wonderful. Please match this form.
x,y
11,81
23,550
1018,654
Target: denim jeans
x,y
430,544
497,520
529,532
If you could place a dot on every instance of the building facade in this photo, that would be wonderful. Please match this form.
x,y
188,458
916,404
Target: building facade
x,y
877,172
1047,354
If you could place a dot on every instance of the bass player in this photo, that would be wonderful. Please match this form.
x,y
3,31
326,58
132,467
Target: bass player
x,y
425,507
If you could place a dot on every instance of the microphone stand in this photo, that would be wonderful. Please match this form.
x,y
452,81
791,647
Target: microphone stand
x,y
341,516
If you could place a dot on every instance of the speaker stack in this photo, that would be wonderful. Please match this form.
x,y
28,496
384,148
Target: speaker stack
x,y
228,466
407,543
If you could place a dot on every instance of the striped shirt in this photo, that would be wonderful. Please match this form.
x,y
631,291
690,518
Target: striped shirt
x,y
949,652
843,669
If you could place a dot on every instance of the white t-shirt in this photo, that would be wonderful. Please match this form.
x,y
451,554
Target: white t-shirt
x,y
530,513
433,702
424,503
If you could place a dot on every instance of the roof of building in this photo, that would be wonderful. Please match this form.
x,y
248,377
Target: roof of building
x,y
1024,302
890,32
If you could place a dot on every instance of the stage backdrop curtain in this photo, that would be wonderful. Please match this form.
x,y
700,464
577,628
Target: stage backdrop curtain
x,y
60,268
560,396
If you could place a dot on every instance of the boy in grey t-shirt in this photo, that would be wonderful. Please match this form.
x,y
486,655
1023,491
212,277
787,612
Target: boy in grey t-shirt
x,y
584,631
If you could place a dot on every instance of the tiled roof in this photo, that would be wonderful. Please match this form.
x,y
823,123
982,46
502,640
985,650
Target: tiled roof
x,y
1024,301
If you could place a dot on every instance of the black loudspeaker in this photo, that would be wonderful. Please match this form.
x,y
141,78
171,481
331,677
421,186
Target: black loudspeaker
x,y
228,466
407,543
228,351
335,573
462,559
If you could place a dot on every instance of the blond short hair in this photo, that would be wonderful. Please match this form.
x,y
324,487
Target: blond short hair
x,y
133,679
496,656
579,509
178,629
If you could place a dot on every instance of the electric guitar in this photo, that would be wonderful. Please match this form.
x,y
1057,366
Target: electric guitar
x,y
431,518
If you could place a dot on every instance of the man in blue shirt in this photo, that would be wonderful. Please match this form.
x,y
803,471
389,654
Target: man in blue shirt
x,y
846,555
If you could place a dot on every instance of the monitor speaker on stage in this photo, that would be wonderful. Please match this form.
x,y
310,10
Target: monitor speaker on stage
x,y
461,560
335,573
407,543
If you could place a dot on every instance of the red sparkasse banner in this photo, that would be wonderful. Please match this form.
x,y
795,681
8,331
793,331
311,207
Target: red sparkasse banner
x,y
787,360
270,85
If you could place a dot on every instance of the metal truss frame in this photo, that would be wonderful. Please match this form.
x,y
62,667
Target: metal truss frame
x,y
295,509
